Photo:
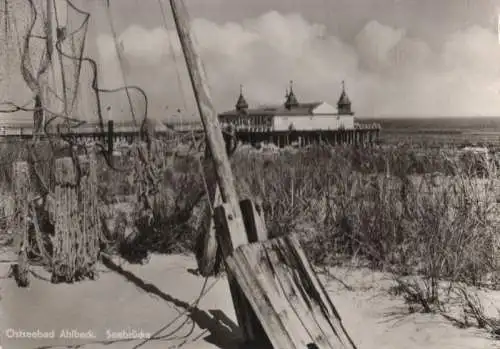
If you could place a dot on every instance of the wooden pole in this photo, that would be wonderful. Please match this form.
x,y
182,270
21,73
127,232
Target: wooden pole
x,y
215,140
110,140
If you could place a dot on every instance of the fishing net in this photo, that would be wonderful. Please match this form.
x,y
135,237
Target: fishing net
x,y
16,21
52,85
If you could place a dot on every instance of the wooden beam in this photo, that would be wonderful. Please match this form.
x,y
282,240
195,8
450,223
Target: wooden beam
x,y
209,118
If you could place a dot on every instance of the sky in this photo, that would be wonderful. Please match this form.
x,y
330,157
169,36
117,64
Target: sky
x,y
397,57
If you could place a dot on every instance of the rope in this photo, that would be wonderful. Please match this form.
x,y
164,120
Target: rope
x,y
156,336
204,179
97,91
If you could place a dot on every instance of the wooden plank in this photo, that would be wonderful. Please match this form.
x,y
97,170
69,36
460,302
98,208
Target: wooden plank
x,y
247,319
208,246
254,222
256,231
224,225
287,296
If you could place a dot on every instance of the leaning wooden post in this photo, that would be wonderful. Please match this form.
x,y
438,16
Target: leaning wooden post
x,y
216,145
215,139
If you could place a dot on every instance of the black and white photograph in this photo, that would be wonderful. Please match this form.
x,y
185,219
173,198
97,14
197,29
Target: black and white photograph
x,y
249,174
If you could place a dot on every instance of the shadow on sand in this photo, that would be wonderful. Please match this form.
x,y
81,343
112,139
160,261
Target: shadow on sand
x,y
223,332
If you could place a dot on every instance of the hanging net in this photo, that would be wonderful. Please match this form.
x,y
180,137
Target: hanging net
x,y
146,195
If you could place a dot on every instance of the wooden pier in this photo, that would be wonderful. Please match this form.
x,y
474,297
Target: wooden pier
x,y
362,136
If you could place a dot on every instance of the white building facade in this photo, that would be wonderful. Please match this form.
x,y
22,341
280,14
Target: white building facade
x,y
292,115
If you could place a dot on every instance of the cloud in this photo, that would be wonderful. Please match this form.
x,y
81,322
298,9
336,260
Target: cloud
x,y
387,71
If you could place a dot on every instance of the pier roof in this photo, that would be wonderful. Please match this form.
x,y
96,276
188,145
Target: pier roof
x,y
272,110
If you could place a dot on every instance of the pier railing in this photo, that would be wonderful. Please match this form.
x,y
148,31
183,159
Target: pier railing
x,y
189,126
367,126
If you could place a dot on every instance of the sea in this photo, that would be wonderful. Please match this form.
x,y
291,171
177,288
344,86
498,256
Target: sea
x,y
439,131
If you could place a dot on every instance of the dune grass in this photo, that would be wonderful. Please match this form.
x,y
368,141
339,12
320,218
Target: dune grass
x,y
428,216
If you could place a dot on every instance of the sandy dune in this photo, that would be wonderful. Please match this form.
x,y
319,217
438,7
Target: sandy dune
x,y
155,298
